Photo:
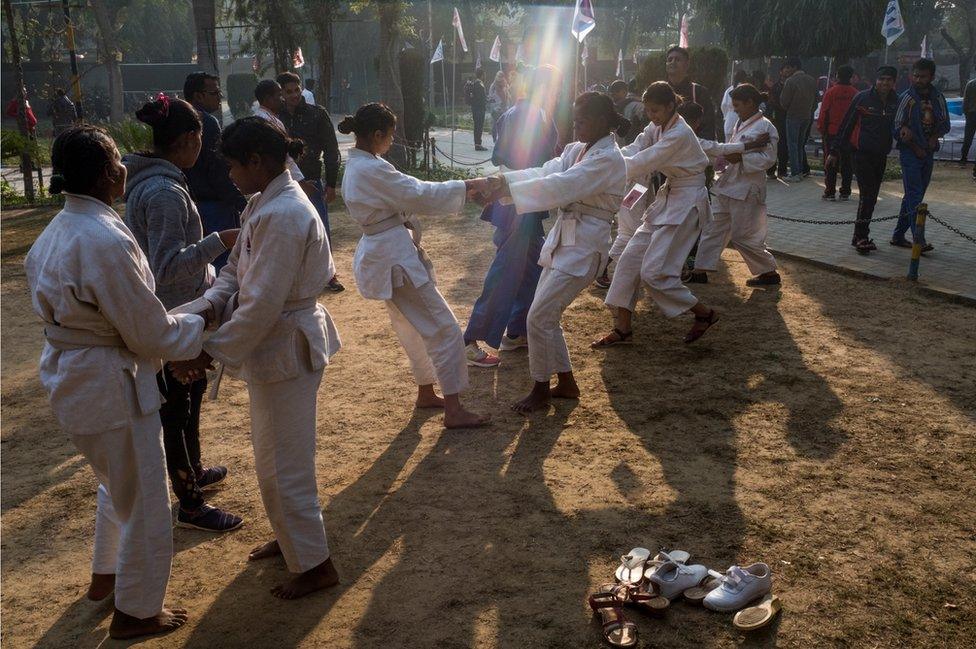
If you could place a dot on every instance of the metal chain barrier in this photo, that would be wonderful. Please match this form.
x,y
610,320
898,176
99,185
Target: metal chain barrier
x,y
951,228
461,162
828,222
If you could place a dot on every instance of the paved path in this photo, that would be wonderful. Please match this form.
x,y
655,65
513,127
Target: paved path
x,y
950,268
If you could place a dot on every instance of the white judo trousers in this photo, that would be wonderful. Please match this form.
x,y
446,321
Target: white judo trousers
x,y
656,255
743,222
283,437
628,220
133,520
548,352
429,333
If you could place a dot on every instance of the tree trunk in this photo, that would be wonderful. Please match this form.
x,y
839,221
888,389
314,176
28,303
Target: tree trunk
x,y
390,92
108,47
26,168
205,23
967,55
322,16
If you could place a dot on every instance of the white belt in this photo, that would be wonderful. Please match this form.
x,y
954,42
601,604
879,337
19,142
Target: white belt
x,y
390,222
698,180
64,338
299,305
578,209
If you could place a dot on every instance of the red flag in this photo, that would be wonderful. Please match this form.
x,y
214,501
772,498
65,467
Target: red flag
x,y
297,60
683,38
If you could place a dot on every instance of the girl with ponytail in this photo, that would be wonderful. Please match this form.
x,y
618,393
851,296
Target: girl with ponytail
x,y
273,334
586,184
391,266
164,220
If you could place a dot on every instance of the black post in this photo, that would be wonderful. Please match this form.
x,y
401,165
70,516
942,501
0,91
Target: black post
x,y
75,77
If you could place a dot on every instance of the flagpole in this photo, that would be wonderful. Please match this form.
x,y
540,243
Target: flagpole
x,y
886,53
453,93
576,62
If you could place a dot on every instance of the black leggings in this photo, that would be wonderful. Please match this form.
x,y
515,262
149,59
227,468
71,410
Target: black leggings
x,y
180,416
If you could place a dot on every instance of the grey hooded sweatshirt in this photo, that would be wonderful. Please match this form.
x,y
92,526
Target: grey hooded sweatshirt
x,y
165,222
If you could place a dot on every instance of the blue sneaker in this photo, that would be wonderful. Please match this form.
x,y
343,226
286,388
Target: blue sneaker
x,y
210,476
208,519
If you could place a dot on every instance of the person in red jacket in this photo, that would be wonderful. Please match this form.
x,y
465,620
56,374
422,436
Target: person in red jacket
x,y
14,107
836,101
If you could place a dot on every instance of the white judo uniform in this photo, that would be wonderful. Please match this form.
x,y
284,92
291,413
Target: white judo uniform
x,y
268,116
587,187
629,219
739,209
106,332
657,251
390,265
278,338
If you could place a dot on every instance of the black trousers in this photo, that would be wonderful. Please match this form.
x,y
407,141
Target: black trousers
x,y
479,123
967,138
782,149
869,168
846,163
180,416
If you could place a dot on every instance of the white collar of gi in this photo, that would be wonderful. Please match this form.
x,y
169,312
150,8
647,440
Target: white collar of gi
x,y
602,143
84,204
742,126
274,188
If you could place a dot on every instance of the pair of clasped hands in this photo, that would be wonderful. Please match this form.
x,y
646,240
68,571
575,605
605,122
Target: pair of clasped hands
x,y
485,191
187,372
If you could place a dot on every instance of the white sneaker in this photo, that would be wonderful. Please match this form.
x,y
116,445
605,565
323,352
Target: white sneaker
x,y
477,357
672,578
510,344
739,587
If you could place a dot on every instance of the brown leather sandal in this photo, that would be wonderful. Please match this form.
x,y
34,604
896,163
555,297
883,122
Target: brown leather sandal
x,y
609,340
696,331
618,631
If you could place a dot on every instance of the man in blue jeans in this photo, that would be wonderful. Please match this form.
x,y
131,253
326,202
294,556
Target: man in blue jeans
x,y
922,118
799,101
525,137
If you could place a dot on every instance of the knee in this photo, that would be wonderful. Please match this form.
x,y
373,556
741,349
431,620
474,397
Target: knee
x,y
655,280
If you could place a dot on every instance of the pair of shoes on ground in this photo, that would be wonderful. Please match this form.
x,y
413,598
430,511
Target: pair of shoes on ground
x,y
832,197
864,246
207,517
479,357
905,243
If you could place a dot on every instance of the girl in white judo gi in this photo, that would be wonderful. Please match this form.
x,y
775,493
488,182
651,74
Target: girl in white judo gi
x,y
656,253
390,265
105,334
586,183
739,210
276,336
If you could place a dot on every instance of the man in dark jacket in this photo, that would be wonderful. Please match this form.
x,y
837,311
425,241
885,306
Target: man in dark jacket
x,y
312,124
866,130
477,98
677,65
218,200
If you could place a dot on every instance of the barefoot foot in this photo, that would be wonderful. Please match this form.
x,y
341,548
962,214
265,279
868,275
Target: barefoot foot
x,y
101,586
321,576
265,551
566,388
462,418
536,400
126,626
427,398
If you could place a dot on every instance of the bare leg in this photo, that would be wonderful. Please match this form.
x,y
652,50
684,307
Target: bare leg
x,y
101,586
455,416
566,388
125,626
623,319
265,551
321,576
536,400
622,324
427,398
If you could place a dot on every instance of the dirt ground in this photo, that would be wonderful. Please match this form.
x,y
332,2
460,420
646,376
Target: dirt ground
x,y
826,428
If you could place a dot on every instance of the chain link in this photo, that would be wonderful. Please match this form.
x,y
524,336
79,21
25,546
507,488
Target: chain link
x,y
952,228
461,162
827,222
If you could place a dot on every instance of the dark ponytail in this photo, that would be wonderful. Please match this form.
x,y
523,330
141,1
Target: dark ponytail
x,y
368,119
747,92
79,157
597,105
169,118
256,136
662,94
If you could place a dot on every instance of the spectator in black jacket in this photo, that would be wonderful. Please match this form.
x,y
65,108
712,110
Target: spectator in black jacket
x,y
677,65
866,130
312,124
477,98
218,200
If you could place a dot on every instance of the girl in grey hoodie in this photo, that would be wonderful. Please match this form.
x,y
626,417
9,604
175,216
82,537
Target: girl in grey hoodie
x,y
164,221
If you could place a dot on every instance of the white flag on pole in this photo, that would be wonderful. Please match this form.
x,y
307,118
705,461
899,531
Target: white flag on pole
x,y
586,53
620,63
583,19
683,35
496,50
297,60
438,53
893,26
456,21
924,41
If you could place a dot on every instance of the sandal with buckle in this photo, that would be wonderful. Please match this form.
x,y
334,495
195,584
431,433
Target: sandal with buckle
x,y
618,631
697,332
609,340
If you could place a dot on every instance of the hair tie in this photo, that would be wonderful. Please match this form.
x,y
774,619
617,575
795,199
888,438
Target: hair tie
x,y
161,97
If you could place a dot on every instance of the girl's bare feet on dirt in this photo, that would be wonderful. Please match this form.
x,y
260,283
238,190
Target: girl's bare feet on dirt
x,y
427,398
321,576
535,400
125,626
455,416
566,388
101,586
265,551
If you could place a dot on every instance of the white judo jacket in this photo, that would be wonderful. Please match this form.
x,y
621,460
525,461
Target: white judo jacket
x,y
587,188
268,290
675,152
106,330
381,199
745,180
